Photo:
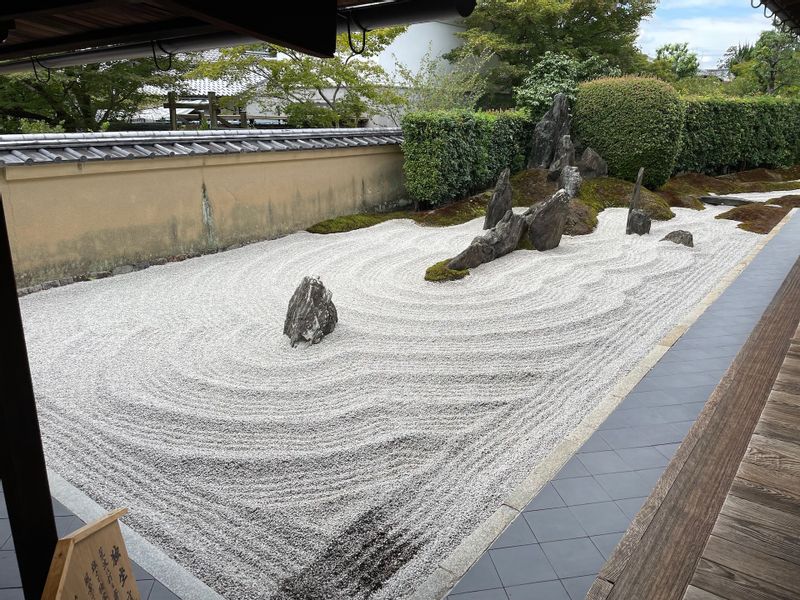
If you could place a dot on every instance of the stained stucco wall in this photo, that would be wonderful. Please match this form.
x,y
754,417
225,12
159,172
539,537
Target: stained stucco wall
x,y
70,219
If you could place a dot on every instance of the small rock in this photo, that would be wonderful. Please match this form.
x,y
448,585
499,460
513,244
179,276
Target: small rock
x,y
592,165
50,284
500,203
554,125
498,241
141,265
99,274
725,200
122,270
564,157
312,314
679,236
546,221
66,281
159,261
638,222
570,181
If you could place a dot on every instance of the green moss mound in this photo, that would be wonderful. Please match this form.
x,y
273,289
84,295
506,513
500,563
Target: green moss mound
x,y
686,189
610,192
632,122
454,213
757,218
792,201
531,186
440,272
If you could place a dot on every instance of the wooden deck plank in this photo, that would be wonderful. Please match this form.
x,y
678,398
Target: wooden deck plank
x,y
736,586
693,593
755,536
765,495
656,558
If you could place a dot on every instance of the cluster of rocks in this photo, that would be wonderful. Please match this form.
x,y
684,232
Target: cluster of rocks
x,y
553,148
312,314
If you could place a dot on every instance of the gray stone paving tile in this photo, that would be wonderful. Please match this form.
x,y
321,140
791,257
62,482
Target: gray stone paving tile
x,y
648,435
3,509
12,594
554,524
595,443
518,533
160,592
624,485
139,573
545,590
573,468
9,544
683,427
668,450
573,558
580,490
577,587
680,412
677,367
66,525
546,498
651,476
636,400
607,542
642,458
495,594
5,531
633,417
631,506
59,510
145,587
522,564
603,462
600,518
481,576
669,382
9,572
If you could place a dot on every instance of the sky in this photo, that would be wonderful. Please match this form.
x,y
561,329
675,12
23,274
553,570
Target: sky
x,y
708,26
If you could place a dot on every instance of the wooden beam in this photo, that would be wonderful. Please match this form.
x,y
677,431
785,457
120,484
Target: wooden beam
x,y
27,492
144,32
298,26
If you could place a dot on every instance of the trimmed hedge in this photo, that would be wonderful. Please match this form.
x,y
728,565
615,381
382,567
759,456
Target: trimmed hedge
x,y
632,122
734,134
448,154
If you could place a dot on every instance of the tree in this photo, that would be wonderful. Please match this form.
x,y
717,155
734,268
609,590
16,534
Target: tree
x,y
349,84
86,97
520,32
558,73
736,55
439,85
678,59
775,61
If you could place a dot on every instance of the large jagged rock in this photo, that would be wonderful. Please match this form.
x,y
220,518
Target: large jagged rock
x,y
311,315
564,157
546,221
570,181
498,241
679,236
592,165
500,203
554,125
638,222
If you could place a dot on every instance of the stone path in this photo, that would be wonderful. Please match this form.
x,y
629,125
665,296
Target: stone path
x,y
557,545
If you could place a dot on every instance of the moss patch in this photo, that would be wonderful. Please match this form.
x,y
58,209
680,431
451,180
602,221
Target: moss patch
x,y
685,190
609,192
786,201
758,218
454,213
531,186
754,175
440,272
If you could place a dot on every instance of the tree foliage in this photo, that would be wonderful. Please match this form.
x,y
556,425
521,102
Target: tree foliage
x,y
349,84
520,32
558,73
83,98
678,60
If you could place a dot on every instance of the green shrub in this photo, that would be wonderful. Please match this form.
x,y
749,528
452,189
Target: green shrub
x,y
448,154
632,122
308,114
733,134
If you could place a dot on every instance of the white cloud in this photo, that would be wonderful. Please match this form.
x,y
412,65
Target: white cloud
x,y
709,37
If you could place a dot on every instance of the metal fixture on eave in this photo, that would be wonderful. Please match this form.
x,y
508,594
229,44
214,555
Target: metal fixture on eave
x,y
780,15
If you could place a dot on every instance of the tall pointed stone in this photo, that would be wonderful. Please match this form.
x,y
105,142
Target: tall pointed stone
x,y
500,203
554,125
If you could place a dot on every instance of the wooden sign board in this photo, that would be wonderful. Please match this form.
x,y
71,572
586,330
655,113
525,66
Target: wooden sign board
x,y
92,564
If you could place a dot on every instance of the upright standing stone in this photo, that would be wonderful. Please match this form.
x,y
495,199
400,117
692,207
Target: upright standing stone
x,y
570,181
500,203
638,222
554,125
564,157
546,221
311,315
634,204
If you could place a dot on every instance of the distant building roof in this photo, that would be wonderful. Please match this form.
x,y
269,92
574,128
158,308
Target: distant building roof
x,y
721,74
30,149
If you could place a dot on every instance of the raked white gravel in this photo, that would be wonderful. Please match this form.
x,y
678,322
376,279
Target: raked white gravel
x,y
351,467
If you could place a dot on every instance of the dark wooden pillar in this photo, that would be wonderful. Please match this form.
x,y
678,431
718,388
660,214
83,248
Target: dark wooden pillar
x,y
27,491
213,109
173,111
